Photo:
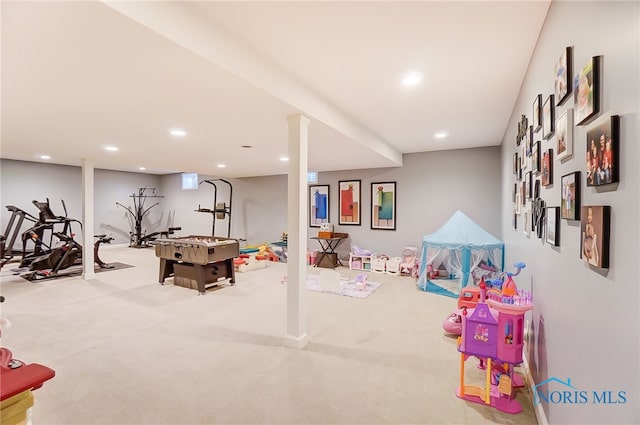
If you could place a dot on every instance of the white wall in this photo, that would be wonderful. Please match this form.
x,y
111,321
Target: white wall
x,y
430,187
258,207
117,186
24,181
586,322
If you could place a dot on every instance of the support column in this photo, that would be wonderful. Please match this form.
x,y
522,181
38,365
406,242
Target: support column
x,y
88,271
297,232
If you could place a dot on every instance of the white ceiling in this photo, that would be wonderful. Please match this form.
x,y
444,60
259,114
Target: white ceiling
x,y
77,76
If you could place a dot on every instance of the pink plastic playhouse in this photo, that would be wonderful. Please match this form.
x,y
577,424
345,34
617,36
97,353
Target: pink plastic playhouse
x,y
493,332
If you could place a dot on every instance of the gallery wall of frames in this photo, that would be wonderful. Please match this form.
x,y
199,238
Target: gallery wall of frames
x,y
383,204
544,137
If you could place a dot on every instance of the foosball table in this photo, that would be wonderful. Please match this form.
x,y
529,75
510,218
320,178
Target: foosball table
x,y
197,262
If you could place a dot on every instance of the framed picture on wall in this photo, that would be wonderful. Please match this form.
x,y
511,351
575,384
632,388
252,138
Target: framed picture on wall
x,y
547,167
349,202
537,113
538,222
318,204
548,118
564,135
562,76
586,91
535,158
552,224
570,202
527,185
594,241
383,205
603,147
515,163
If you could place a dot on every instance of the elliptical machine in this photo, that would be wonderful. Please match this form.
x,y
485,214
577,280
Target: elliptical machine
x,y
45,256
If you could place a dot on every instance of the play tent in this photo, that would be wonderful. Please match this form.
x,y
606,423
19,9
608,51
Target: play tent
x,y
463,249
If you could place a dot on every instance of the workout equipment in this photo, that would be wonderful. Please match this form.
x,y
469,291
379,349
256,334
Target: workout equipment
x,y
49,245
8,239
220,210
138,239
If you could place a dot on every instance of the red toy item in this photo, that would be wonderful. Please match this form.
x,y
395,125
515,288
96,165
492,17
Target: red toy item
x,y
469,297
16,377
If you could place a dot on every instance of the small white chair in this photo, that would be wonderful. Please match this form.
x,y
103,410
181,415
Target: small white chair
x,y
378,264
393,265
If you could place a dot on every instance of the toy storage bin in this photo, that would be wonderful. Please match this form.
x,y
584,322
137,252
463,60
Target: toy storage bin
x,y
15,410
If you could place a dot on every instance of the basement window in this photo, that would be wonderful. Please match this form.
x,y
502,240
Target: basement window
x,y
189,181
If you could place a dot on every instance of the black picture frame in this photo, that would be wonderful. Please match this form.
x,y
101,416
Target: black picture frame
x,y
548,118
570,196
527,185
535,158
538,213
537,113
595,225
603,152
523,127
319,204
383,205
562,76
586,91
349,202
515,163
552,226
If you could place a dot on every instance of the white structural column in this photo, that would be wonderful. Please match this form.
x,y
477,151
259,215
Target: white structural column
x,y
297,232
88,271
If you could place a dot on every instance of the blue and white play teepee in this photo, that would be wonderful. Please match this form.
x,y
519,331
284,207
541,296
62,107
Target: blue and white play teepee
x,y
459,247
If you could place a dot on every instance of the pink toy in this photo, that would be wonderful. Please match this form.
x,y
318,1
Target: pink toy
x,y
361,282
468,299
408,263
493,332
453,323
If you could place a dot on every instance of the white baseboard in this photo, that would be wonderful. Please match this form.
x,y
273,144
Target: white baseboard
x,y
296,342
541,417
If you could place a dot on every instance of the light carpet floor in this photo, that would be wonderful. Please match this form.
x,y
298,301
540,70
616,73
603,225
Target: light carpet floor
x,y
127,350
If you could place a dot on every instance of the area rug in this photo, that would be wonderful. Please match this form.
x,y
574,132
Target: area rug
x,y
347,287
74,271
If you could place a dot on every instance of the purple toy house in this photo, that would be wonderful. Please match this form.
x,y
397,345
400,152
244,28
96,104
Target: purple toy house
x,y
480,332
510,338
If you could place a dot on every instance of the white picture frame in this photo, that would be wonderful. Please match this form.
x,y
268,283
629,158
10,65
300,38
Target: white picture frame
x,y
564,135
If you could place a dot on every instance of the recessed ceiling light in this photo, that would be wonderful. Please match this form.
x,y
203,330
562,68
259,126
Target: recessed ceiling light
x,y
221,165
141,168
177,132
440,135
45,157
284,158
111,148
412,79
